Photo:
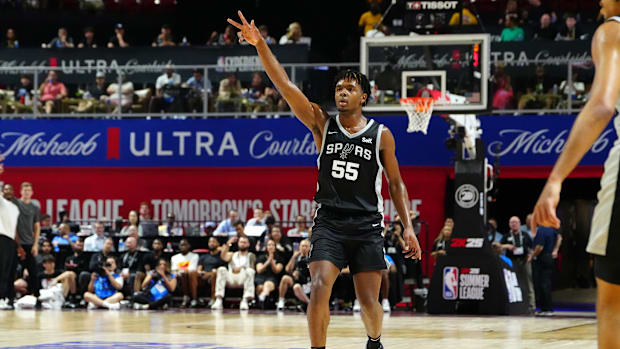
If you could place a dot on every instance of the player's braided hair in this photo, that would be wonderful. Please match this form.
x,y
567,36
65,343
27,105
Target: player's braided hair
x,y
361,79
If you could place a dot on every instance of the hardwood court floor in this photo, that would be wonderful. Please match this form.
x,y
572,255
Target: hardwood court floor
x,y
232,329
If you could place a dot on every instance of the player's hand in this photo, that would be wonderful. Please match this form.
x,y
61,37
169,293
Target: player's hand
x,y
248,32
412,246
544,211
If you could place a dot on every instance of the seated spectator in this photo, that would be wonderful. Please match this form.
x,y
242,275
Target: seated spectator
x,y
512,9
22,95
45,250
125,98
164,38
197,83
89,39
503,97
133,232
229,94
576,92
536,10
62,40
149,226
512,32
264,32
240,272
294,35
255,98
210,262
58,283
369,19
157,288
133,220
539,92
468,17
227,226
283,246
105,286
65,237
151,258
571,30
132,267
185,266
92,100
52,92
240,230
166,91
98,259
257,218
269,266
297,276
227,38
492,233
300,230
118,39
11,39
94,243
171,228
546,30
440,243
78,264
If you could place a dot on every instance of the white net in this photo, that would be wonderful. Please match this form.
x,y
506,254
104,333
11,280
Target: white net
x,y
419,110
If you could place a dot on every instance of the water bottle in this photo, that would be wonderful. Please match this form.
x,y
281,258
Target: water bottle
x,y
121,245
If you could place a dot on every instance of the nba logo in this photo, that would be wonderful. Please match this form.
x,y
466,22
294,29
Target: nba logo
x,y
450,283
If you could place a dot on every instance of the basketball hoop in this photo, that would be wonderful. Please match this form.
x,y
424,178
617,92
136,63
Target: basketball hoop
x,y
419,110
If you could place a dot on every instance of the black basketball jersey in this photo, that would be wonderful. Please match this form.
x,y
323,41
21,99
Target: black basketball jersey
x,y
350,169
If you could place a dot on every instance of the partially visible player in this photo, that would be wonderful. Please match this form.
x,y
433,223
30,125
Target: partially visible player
x,y
348,226
605,232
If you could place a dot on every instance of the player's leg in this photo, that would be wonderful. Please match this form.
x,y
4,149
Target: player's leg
x,y
607,272
323,274
608,308
367,287
367,264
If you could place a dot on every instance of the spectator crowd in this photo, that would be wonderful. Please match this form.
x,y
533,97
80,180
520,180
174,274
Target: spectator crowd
x,y
141,263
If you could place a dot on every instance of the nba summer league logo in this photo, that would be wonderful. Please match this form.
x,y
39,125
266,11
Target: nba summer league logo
x,y
466,196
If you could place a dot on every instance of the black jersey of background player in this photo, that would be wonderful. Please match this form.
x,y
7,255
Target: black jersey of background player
x,y
350,169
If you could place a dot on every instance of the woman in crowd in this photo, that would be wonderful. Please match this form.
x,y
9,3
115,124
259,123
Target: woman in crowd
x,y
269,267
133,220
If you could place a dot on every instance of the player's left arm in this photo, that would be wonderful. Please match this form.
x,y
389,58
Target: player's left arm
x,y
398,192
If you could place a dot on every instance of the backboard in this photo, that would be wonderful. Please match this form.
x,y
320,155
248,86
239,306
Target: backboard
x,y
456,66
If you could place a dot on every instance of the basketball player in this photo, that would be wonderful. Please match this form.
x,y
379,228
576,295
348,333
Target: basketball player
x,y
605,232
348,225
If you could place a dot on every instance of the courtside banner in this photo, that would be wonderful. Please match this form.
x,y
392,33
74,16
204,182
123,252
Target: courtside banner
x,y
514,140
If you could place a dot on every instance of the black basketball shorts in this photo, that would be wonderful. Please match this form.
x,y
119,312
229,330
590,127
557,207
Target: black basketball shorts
x,y
607,268
353,240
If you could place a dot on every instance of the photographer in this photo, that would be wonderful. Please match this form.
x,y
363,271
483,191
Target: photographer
x,y
394,245
298,276
105,286
157,288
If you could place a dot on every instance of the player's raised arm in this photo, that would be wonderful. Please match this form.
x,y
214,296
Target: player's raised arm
x,y
398,192
310,114
591,121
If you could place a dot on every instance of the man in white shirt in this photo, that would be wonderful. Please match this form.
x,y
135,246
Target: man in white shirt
x,y
8,249
240,272
258,219
94,243
166,91
227,226
185,266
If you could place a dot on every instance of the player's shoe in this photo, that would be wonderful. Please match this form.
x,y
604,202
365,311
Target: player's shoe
x,y
218,304
244,304
386,305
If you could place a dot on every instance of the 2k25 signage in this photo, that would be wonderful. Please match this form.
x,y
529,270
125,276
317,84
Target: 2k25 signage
x,y
517,141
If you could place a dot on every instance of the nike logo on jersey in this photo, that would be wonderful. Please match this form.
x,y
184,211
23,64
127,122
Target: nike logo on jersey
x,y
332,132
376,225
366,140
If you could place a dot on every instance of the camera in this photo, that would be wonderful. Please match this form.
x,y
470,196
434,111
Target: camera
x,y
101,268
156,277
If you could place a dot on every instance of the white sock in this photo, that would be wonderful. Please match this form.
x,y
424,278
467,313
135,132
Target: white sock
x,y
261,298
280,299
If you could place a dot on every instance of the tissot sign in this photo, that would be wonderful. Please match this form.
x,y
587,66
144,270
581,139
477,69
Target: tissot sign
x,y
517,141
